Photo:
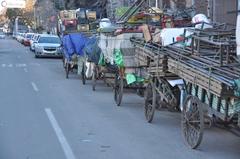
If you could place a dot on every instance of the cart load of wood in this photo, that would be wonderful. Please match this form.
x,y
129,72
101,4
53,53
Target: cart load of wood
x,y
206,61
149,55
79,50
210,66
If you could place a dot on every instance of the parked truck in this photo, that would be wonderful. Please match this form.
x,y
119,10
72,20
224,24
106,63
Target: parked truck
x,y
80,20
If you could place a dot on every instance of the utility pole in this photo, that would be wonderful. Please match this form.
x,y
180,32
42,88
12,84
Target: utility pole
x,y
34,16
16,24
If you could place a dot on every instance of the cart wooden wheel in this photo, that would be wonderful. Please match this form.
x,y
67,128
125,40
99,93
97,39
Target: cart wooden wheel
x,y
94,78
192,121
168,94
118,89
67,69
83,73
150,102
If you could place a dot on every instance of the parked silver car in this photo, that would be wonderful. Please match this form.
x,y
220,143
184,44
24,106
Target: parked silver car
x,y
20,37
33,41
48,46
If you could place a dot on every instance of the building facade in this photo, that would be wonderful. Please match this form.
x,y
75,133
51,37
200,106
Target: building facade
x,y
217,10
45,15
223,11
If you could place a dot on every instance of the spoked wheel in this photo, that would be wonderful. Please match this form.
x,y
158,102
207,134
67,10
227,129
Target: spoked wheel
x,y
118,89
67,69
150,102
192,121
94,78
83,74
168,94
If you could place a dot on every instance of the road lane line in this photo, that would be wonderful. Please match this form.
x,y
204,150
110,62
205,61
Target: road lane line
x,y
62,139
35,64
35,88
21,65
5,50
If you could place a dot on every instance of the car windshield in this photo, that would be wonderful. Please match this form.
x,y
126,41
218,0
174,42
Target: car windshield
x,y
29,36
52,40
33,37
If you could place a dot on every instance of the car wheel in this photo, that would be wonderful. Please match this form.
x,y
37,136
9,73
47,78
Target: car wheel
x,y
36,55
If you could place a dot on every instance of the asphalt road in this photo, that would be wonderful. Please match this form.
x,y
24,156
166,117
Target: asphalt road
x,y
45,116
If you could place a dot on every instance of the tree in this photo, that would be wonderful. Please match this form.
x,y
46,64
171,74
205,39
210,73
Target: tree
x,y
27,17
13,13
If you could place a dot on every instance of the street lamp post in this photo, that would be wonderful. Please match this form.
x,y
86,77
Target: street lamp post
x,y
34,16
16,24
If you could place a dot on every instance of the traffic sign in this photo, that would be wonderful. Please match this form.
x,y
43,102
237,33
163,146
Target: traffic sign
x,y
13,3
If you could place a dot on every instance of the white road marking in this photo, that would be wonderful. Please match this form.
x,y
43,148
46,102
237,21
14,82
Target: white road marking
x,y
25,70
21,65
35,88
35,64
5,50
18,65
62,139
86,140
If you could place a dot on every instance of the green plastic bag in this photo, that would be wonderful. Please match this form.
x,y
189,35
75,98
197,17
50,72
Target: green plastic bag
x,y
131,78
237,106
140,79
237,88
118,58
102,60
237,93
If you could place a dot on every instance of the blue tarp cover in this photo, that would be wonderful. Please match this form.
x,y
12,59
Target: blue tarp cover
x,y
67,46
92,50
74,44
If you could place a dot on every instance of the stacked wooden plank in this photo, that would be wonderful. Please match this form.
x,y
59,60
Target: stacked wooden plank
x,y
191,74
151,57
211,68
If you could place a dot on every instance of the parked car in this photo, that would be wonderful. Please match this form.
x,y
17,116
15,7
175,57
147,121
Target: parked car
x,y
17,36
33,41
48,46
27,38
2,35
20,37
